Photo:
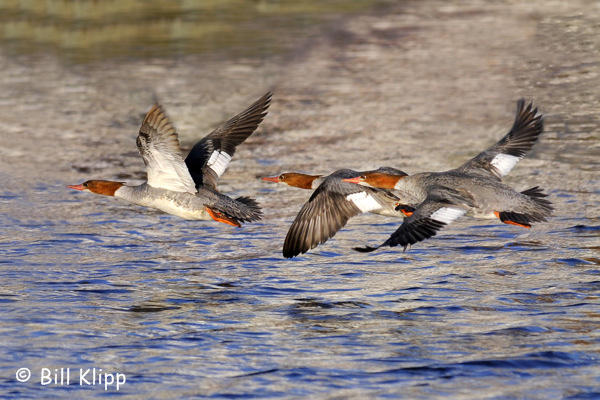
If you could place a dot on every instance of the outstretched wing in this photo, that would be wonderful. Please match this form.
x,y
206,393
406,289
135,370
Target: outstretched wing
x,y
427,219
327,211
498,160
158,144
209,158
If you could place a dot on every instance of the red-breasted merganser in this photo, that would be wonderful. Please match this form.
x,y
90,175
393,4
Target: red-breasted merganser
x,y
306,181
188,189
442,197
331,205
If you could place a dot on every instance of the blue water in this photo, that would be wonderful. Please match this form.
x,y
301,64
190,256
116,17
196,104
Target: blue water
x,y
198,309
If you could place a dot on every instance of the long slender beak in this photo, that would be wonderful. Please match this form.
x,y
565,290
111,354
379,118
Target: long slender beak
x,y
76,187
271,179
352,180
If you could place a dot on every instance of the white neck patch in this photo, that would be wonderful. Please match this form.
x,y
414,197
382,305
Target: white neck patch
x,y
364,201
504,163
218,162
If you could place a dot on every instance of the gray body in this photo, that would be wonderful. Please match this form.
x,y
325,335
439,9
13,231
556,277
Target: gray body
x,y
191,206
478,195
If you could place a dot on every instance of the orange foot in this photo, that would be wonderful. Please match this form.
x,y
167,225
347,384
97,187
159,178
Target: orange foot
x,y
220,217
407,213
509,222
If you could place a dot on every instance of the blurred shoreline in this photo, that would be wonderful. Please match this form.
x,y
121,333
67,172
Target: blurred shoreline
x,y
91,31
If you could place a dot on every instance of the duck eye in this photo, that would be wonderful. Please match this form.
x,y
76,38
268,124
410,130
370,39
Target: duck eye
x,y
85,184
363,177
281,177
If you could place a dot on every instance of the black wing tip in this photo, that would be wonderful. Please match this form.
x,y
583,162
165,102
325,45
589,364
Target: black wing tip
x,y
267,96
262,103
535,191
411,233
292,252
294,244
365,249
528,115
239,127
522,104
527,127
259,109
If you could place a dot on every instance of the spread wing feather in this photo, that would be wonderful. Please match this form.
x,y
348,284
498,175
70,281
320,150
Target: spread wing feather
x,y
158,145
209,158
318,220
328,210
428,218
498,160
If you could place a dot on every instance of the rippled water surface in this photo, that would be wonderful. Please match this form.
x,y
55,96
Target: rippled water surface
x,y
200,309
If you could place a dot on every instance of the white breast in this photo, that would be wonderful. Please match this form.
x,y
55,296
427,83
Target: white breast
x,y
184,205
173,208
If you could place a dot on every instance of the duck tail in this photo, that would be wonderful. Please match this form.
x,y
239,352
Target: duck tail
x,y
544,206
235,211
250,208
541,210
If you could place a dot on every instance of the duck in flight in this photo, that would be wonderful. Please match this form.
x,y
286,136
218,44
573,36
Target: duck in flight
x,y
439,198
332,203
188,188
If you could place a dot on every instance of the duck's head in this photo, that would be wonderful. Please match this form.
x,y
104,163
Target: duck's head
x,y
107,188
296,179
377,179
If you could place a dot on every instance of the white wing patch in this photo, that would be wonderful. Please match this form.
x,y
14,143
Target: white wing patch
x,y
364,201
504,163
218,162
167,170
447,214
168,179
